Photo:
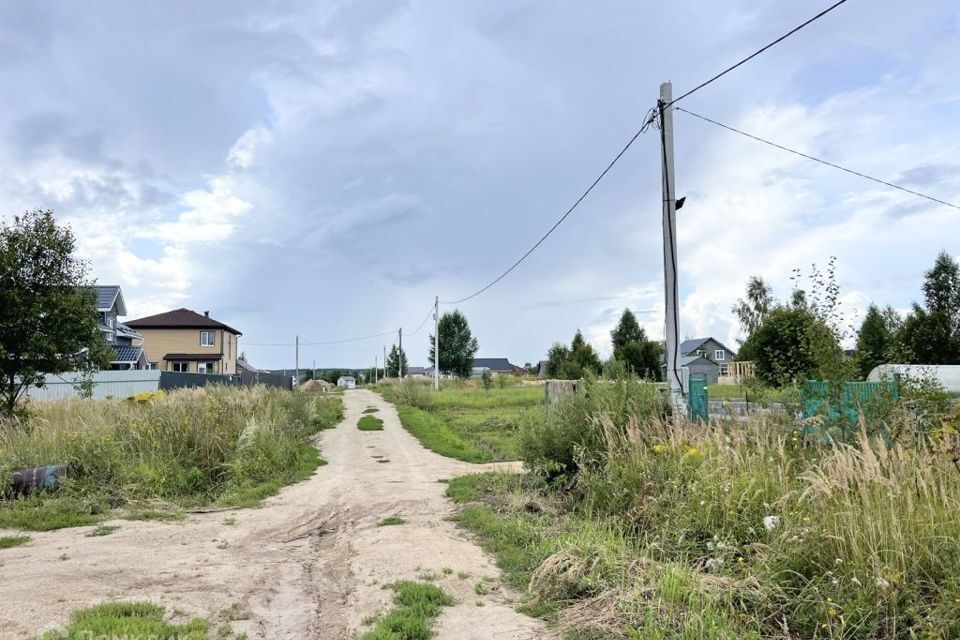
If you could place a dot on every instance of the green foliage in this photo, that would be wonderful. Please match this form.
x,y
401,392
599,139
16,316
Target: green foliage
x,y
486,379
391,521
555,446
931,335
48,317
13,541
640,355
396,359
418,603
573,362
734,531
370,423
224,445
753,308
128,620
457,345
468,424
874,341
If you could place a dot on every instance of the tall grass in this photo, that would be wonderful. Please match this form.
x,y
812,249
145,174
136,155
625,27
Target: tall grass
x,y
217,444
735,530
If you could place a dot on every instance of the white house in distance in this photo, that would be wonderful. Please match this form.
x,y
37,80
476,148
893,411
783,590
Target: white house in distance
x,y
347,382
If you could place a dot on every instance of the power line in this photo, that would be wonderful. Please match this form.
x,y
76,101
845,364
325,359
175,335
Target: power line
x,y
417,330
757,52
556,224
820,160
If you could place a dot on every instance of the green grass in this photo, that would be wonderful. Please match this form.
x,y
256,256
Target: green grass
x,y
13,541
391,521
371,410
102,530
218,445
129,620
417,604
156,515
370,423
473,425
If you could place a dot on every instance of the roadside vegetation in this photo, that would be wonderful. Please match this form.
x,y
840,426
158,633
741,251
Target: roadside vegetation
x,y
418,603
134,620
370,423
463,423
628,525
157,453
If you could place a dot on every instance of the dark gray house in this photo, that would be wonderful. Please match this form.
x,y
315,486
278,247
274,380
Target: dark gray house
x,y
705,356
127,344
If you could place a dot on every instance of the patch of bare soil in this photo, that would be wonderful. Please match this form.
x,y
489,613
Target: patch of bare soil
x,y
311,563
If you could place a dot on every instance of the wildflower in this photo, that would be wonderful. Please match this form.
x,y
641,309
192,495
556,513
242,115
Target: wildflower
x,y
714,564
806,519
882,583
710,546
832,613
856,581
771,522
838,561
659,448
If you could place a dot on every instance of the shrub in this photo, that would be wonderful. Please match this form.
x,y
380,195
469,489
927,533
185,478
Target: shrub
x,y
556,445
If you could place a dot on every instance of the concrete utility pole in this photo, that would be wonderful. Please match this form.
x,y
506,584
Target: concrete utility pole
x,y
376,371
671,289
436,343
385,362
297,359
400,354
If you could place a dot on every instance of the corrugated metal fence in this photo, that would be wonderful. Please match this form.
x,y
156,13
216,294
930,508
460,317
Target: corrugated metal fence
x,y
123,384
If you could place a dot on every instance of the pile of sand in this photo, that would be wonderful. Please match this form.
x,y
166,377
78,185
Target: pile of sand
x,y
315,385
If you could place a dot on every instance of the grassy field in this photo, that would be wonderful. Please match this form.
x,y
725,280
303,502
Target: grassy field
x,y
134,620
727,531
228,446
474,425
370,423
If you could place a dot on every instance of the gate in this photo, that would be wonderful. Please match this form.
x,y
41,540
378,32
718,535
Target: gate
x,y
697,398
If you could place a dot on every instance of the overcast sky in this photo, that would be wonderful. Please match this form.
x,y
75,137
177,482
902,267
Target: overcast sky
x,y
326,168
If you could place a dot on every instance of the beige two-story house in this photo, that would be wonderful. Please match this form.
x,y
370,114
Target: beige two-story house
x,y
184,340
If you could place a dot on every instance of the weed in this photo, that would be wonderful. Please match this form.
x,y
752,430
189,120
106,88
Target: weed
x,y
391,521
223,544
13,541
370,423
128,620
480,589
383,461
371,410
418,604
230,521
156,515
447,571
103,530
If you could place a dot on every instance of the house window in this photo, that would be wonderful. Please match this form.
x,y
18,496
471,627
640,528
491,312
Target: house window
x,y
182,367
206,338
205,367
719,354
724,370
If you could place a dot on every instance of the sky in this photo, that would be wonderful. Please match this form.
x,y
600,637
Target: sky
x,y
324,169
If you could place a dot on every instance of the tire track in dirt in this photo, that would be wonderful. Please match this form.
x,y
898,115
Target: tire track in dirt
x,y
310,563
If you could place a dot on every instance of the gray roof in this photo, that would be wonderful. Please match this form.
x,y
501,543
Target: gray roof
x,y
687,360
107,295
246,366
494,364
127,353
691,345
416,371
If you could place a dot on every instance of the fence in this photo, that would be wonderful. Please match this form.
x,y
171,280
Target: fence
x,y
106,384
123,384
853,396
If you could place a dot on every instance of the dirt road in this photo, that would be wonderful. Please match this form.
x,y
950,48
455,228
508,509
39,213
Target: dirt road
x,y
311,563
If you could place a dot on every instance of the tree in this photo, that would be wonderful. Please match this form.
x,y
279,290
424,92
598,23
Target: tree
x,y
457,345
395,359
48,318
571,363
752,309
874,341
793,344
631,347
931,335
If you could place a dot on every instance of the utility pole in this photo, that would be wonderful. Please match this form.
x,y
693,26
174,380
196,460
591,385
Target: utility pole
x,y
297,360
384,362
436,343
671,289
376,371
400,354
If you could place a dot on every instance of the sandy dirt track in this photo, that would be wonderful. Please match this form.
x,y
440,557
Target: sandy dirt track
x,y
309,564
